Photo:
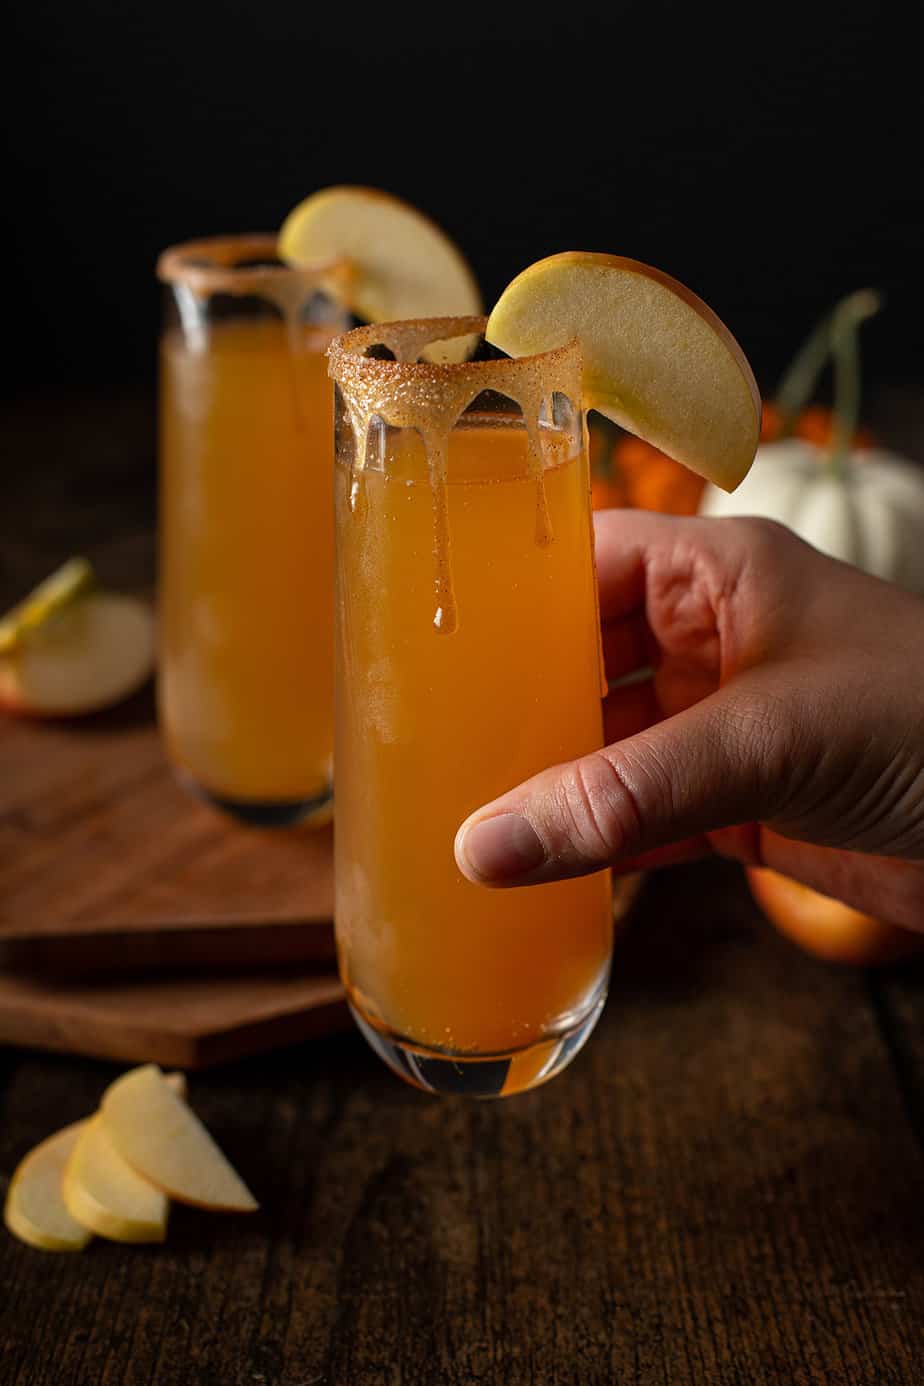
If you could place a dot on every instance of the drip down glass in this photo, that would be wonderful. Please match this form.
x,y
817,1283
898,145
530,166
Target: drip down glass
x,y
467,658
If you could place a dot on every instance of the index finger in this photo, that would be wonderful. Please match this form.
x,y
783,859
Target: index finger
x,y
640,554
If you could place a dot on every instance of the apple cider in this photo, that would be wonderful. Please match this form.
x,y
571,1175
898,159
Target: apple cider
x,y
246,581
467,659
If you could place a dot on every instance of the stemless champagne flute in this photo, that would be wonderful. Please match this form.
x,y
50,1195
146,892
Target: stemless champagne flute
x,y
467,658
246,561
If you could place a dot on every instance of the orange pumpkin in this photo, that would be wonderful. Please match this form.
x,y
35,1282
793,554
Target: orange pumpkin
x,y
815,424
771,422
626,471
826,927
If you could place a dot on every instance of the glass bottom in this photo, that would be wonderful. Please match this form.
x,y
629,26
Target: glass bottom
x,y
449,1073
313,812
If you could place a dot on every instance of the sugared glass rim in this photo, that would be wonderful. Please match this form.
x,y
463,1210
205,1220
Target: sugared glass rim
x,y
409,336
212,265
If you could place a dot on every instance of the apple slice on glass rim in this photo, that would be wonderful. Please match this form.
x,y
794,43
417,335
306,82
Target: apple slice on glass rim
x,y
401,264
657,360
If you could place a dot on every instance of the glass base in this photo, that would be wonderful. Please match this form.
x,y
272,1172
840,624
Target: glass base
x,y
313,812
448,1073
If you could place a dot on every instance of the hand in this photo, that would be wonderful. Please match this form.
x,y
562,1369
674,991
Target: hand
x,y
783,726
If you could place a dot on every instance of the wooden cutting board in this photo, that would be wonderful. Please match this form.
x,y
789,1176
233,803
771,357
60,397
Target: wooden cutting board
x,y
185,1022
125,905
107,864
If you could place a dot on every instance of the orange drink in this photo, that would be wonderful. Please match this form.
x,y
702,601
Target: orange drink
x,y
467,658
246,580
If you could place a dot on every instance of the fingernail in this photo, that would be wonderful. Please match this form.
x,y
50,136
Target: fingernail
x,y
499,848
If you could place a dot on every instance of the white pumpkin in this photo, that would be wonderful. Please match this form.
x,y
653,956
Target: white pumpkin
x,y
868,509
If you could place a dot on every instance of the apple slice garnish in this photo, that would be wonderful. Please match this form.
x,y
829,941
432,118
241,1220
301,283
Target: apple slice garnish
x,y
164,1142
35,1210
66,651
402,265
105,1195
657,360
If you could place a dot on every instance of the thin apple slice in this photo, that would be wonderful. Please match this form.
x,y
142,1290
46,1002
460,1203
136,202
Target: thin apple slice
x,y
161,1138
103,1192
64,585
657,360
402,264
105,1195
35,1210
85,656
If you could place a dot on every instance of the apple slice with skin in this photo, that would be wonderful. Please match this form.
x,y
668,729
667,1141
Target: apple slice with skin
x,y
84,656
402,265
164,1142
657,360
64,585
35,1210
102,1191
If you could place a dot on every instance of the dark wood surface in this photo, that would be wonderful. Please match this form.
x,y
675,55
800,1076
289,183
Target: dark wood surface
x,y
725,1189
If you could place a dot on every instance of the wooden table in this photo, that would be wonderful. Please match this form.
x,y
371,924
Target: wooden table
x,y
726,1187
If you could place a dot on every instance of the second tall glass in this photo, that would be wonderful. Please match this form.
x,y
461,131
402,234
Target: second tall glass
x,y
467,659
246,561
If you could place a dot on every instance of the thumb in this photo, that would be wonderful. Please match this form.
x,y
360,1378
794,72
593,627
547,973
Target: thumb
x,y
709,767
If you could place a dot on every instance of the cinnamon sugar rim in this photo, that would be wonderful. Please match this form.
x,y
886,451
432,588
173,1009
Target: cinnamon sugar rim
x,y
407,338
214,264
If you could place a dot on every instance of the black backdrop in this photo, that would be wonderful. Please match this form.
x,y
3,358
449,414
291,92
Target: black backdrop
x,y
769,156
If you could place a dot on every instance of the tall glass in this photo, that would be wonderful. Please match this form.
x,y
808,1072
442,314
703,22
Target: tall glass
x,y
246,561
467,658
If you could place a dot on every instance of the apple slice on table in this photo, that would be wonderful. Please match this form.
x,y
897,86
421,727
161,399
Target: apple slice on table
x,y
35,1210
161,1138
402,265
54,593
657,360
70,649
103,1192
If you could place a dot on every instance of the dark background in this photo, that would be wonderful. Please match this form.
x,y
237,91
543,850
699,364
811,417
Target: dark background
x,y
768,156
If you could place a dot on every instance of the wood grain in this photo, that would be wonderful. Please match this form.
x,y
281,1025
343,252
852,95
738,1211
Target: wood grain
x,y
897,997
724,1190
107,864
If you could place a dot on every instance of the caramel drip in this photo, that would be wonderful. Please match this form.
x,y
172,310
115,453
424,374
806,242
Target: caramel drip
x,y
445,618
429,397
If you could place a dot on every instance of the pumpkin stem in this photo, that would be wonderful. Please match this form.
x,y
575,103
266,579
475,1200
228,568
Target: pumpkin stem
x,y
798,384
846,320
